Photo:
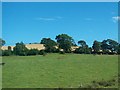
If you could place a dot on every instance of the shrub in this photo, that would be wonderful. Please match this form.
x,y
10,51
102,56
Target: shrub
x,y
33,52
62,52
6,53
42,52
81,50
57,51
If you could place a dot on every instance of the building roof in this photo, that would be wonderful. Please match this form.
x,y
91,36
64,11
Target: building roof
x,y
29,46
35,46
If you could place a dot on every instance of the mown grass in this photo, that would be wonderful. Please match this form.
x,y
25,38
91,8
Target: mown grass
x,y
57,70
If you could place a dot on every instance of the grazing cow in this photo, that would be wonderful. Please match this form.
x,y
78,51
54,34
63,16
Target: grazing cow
x,y
2,63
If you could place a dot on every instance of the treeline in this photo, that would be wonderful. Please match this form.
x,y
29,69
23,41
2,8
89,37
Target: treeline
x,y
63,45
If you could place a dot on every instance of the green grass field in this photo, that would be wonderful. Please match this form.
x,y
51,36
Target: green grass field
x,y
57,70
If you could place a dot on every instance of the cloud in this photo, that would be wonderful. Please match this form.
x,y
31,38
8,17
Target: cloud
x,y
48,18
45,19
115,19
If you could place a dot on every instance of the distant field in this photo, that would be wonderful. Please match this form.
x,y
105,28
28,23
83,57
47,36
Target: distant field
x,y
57,70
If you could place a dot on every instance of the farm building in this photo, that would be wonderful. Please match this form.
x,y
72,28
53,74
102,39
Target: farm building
x,y
29,46
35,46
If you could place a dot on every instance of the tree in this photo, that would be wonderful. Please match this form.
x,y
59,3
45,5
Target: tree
x,y
79,50
112,45
50,45
96,47
109,46
65,42
32,52
9,50
5,53
104,46
20,49
2,42
82,43
118,49
42,52
83,49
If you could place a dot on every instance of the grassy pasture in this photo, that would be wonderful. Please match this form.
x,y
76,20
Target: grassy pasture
x,y
57,70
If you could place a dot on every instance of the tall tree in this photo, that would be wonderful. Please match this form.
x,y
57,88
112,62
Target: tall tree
x,y
113,45
82,43
118,49
9,50
65,42
49,44
20,49
104,46
2,42
109,46
96,46
83,49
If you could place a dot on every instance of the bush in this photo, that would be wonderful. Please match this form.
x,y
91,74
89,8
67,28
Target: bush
x,y
81,50
62,52
6,53
32,52
42,52
22,54
57,51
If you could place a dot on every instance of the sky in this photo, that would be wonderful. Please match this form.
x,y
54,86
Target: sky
x,y
60,0
30,22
